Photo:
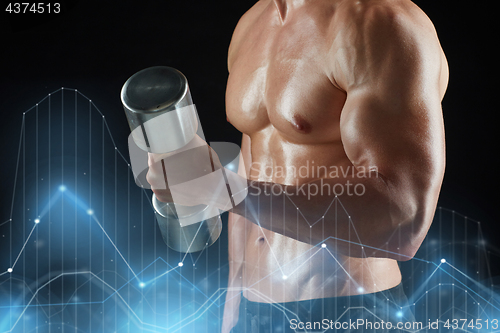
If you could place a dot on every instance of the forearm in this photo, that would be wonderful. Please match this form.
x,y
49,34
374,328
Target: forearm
x,y
365,218
236,255
231,308
234,285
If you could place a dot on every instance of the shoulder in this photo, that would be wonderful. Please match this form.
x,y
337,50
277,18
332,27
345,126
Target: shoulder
x,y
243,26
377,13
373,33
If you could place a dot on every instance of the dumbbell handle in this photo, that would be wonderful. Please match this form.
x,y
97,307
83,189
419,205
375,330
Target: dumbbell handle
x,y
163,119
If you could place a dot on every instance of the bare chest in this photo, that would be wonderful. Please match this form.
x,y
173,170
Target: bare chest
x,y
280,81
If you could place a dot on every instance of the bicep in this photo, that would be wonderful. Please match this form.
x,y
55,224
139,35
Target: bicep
x,y
238,225
392,118
402,140
245,161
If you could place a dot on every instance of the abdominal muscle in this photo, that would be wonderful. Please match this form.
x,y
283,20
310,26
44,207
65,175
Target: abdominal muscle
x,y
277,268
281,269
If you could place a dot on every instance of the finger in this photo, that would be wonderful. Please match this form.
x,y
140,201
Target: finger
x,y
156,176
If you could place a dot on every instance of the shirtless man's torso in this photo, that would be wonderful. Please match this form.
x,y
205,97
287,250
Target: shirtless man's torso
x,y
304,76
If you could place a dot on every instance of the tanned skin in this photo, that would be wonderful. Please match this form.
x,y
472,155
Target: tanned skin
x,y
351,84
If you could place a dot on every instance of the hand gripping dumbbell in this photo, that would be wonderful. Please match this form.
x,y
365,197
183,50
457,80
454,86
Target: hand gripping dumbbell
x,y
164,120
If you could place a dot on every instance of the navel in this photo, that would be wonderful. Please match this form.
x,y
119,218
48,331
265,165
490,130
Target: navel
x,y
300,124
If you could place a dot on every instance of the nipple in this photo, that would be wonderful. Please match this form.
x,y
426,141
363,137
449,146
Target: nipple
x,y
300,124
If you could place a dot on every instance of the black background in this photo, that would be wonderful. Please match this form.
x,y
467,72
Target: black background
x,y
95,46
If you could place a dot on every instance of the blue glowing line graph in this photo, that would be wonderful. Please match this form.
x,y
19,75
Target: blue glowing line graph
x,y
63,192
211,300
